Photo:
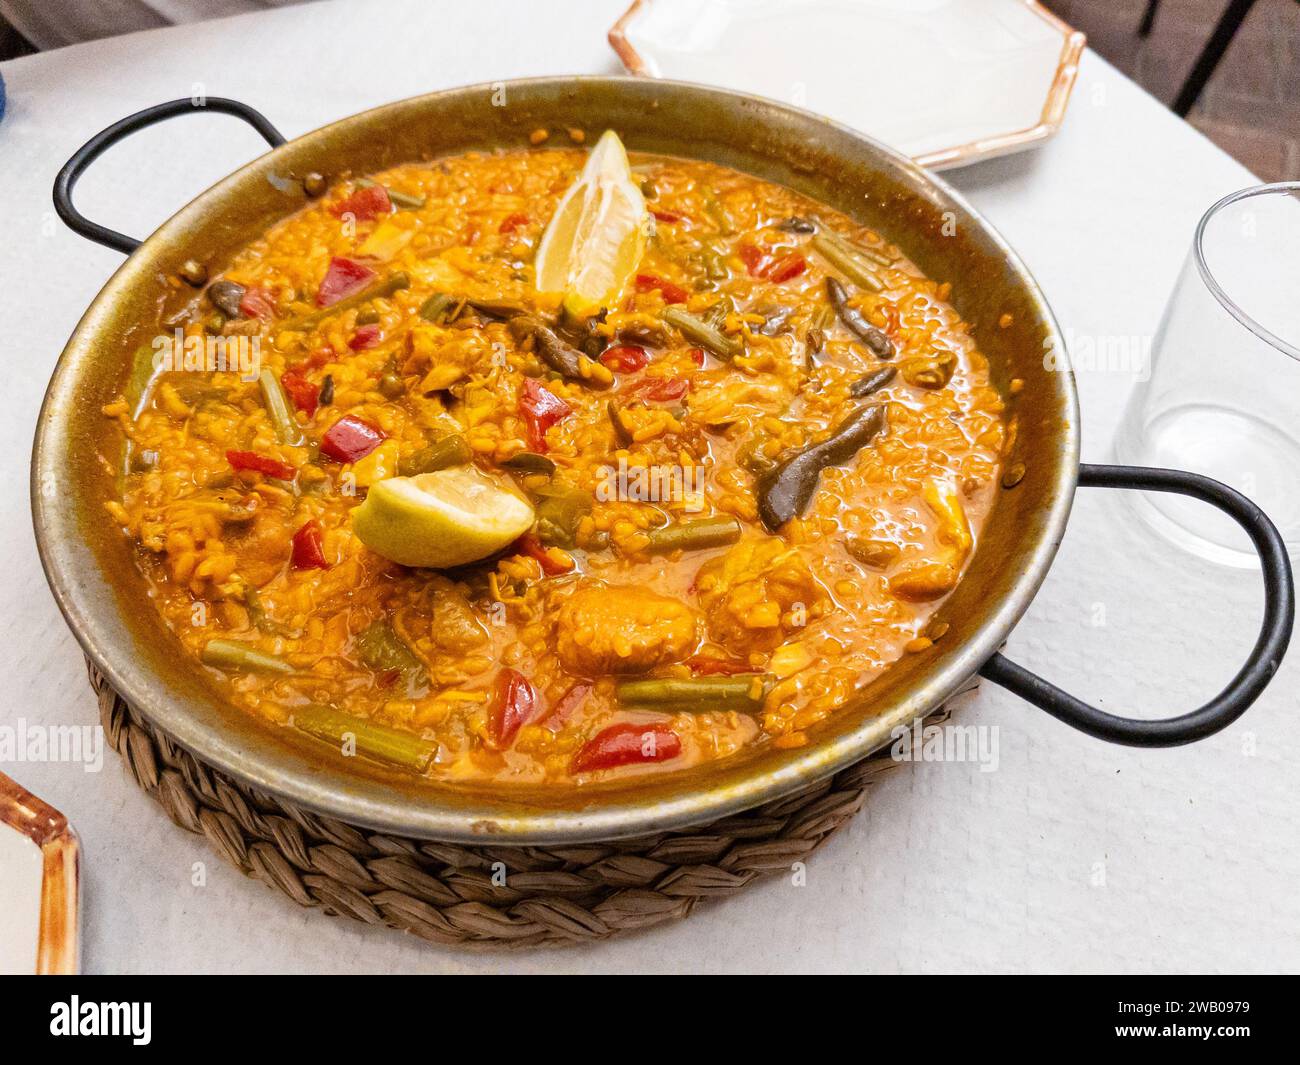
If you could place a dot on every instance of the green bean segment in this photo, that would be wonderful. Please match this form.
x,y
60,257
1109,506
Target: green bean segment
x,y
702,694
693,535
377,742
285,424
228,654
701,333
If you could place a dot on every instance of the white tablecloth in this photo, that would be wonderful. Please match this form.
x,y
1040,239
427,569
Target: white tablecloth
x,y
1073,855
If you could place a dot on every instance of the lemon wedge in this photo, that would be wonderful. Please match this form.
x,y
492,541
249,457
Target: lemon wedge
x,y
440,519
595,239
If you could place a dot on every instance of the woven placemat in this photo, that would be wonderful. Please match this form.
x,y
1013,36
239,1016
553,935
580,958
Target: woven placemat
x,y
445,892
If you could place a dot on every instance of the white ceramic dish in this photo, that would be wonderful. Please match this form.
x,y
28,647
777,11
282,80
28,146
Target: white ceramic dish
x,y
945,81
39,881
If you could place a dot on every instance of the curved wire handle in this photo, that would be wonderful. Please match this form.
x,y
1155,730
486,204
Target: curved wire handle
x,y
102,141
1251,679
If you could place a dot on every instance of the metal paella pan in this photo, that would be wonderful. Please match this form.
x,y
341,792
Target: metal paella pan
x,y
102,593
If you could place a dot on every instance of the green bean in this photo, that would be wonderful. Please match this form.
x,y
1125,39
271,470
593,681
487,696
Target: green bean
x,y
843,258
277,409
227,654
441,454
378,742
701,333
855,249
693,535
384,287
382,649
787,490
703,694
435,308
260,618
530,462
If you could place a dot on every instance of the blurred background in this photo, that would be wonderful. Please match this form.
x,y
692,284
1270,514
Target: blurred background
x,y
1249,104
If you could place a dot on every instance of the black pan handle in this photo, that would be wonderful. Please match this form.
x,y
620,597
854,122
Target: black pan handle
x,y
1251,679
100,142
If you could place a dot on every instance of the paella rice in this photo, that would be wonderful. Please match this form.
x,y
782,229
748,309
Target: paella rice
x,y
740,488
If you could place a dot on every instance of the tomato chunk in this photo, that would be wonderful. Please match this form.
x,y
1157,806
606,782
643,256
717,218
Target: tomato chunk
x,y
305,395
308,551
251,460
512,705
350,439
364,204
625,358
626,744
670,292
366,336
343,278
540,410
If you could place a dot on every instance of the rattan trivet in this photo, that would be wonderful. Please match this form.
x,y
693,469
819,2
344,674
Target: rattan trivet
x,y
443,892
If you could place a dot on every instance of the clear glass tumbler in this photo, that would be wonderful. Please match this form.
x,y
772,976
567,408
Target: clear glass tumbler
x,y
1223,394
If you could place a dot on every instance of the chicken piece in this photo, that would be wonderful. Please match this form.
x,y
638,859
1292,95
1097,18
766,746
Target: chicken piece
x,y
263,545
758,594
448,355
453,625
603,629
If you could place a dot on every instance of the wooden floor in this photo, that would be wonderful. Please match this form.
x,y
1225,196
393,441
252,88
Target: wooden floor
x,y
1250,108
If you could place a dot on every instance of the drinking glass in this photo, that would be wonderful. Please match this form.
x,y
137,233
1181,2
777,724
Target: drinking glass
x,y
1223,394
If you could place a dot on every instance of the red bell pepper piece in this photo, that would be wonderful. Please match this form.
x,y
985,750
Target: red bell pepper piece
x,y
512,705
670,217
540,410
257,303
568,705
761,263
251,460
350,439
670,292
529,545
786,267
626,744
697,356
343,278
511,222
366,336
365,204
308,551
754,258
305,395
625,358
